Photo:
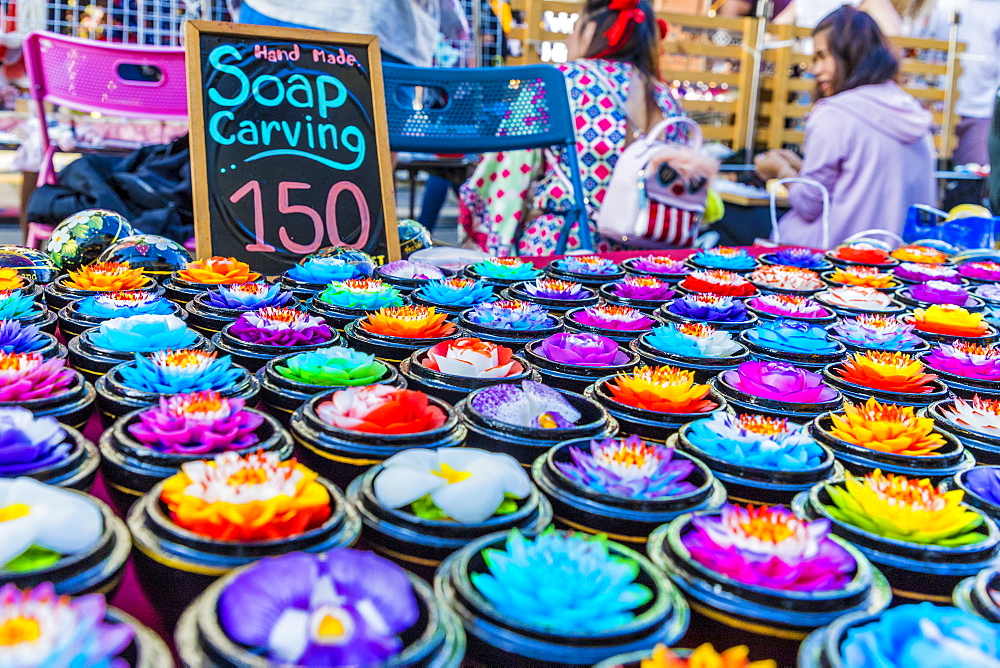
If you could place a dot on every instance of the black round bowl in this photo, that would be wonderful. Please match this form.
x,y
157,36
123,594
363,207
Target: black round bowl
x,y
827,277
923,347
471,272
665,316
704,368
592,281
960,481
631,270
742,402
973,595
253,356
573,377
181,292
768,258
621,336
894,308
515,339
72,323
338,317
985,448
393,349
302,290
408,285
45,319
973,304
94,361
209,320
71,407
453,388
837,261
810,361
146,650
967,388
861,393
76,470
555,306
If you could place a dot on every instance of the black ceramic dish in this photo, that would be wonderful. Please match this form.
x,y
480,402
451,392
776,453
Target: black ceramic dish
x,y
94,361
861,393
302,290
76,470
665,316
894,308
974,595
741,402
453,388
554,306
622,336
408,285
42,318
990,337
985,448
337,317
631,270
704,368
72,323
51,348
573,377
59,296
967,388
593,281
31,287
923,347
146,650
647,306
810,361
766,289
253,356
693,262
181,292
393,349
72,406
209,320
515,339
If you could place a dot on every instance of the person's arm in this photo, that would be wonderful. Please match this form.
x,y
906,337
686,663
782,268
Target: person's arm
x,y
824,153
885,16
454,24
735,8
787,15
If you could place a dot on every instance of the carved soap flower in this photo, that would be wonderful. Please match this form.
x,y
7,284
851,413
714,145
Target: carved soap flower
x,y
108,277
940,292
281,327
41,524
978,415
790,306
457,292
645,288
609,316
582,349
756,441
983,271
41,628
594,265
15,305
705,656
724,257
248,296
663,389
142,334
217,271
883,370
629,468
246,499
769,547
857,297
984,482
380,409
786,278
604,590
778,381
869,277
709,308
512,315
408,322
988,291
124,304
905,509
466,485
18,338
27,376
969,360
10,279
28,443
719,282
333,367
886,428
411,269
793,336
798,257
878,331
529,404
368,294
862,253
950,320
693,339
340,608
184,370
323,270
197,423
920,273
472,358
551,288
509,268
659,264
922,254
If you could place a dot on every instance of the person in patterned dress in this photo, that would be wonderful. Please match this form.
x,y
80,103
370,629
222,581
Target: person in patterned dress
x,y
515,201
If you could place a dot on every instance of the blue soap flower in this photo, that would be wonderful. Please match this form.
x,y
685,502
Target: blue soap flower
x,y
588,264
324,270
798,257
18,338
514,315
15,305
724,258
124,304
756,441
509,268
142,334
693,340
793,336
457,292
178,371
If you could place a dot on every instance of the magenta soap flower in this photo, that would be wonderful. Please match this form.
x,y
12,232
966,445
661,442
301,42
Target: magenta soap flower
x,y
983,271
646,288
28,443
790,306
582,349
659,264
409,269
709,308
197,423
281,327
770,547
614,317
778,381
969,360
921,273
940,292
551,288
26,376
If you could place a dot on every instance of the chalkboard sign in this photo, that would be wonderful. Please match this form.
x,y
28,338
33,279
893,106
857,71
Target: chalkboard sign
x,y
289,144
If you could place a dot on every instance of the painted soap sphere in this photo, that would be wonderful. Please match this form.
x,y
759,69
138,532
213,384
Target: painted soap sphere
x,y
82,237
363,260
412,237
30,262
158,256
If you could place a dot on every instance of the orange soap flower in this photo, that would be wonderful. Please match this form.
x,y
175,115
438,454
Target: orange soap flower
x,y
949,319
246,499
664,389
868,277
887,428
705,656
218,271
10,279
922,254
408,322
891,371
862,254
107,277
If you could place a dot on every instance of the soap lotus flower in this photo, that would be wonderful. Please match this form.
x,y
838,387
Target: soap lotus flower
x,y
582,349
217,271
890,371
511,315
508,268
659,264
924,635
798,257
609,316
629,468
380,409
594,265
756,441
979,415
26,376
786,278
248,296
940,292
663,389
861,253
645,288
984,482
719,282
323,270
770,547
52,520
472,358
457,292
705,656
176,371
724,257
466,485
596,592
246,499
878,331
15,305
709,308
550,288
42,628
197,423
790,306
869,277
411,269
693,339
108,277
905,509
984,271
124,304
950,320
856,297
793,336
408,322
142,334
777,381
10,279
28,443
969,360
333,367
988,291
922,273
340,608
924,254
886,428
529,405
366,294
18,338
281,327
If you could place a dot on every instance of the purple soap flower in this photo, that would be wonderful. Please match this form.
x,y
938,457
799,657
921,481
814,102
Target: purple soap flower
x,y
583,349
511,314
659,264
798,257
984,482
984,271
620,318
408,269
197,423
647,288
280,327
529,404
18,338
940,292
969,360
921,273
550,288
248,296
710,308
594,265
27,443
989,292
777,381
629,468
790,306
878,331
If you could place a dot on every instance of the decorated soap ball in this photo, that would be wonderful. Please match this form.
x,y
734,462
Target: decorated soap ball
x,y
82,237
412,236
362,260
31,262
155,254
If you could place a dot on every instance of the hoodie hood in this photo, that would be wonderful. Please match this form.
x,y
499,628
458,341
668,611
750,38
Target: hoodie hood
x,y
885,107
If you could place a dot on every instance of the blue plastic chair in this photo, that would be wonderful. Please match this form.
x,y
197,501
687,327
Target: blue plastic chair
x,y
486,109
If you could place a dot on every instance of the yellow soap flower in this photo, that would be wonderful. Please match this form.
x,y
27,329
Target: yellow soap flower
x,y
949,319
705,656
868,277
10,279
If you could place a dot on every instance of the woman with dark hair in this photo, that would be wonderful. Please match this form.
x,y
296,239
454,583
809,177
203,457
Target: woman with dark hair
x,y
515,202
867,140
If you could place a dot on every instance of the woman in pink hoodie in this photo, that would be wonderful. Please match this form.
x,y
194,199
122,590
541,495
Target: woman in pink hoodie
x,y
868,141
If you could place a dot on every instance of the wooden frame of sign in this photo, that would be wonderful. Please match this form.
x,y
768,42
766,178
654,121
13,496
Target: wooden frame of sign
x,y
280,140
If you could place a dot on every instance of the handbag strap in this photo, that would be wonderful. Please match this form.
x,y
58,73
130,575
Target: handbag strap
x,y
826,208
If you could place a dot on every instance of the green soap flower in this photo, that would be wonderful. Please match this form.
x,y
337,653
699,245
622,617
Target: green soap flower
x,y
332,367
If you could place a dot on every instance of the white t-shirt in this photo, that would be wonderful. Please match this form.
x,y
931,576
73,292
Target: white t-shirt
x,y
808,13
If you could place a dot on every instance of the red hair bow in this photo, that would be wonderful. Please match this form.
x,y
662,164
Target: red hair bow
x,y
628,11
